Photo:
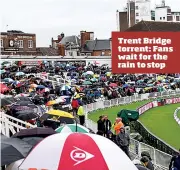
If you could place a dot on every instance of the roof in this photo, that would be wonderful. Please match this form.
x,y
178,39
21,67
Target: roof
x,y
16,32
73,39
47,51
155,26
96,45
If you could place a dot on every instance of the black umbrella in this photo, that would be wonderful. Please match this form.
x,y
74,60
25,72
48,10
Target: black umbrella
x,y
5,102
32,140
34,132
26,115
13,150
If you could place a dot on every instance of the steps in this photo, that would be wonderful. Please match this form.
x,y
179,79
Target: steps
x,y
10,125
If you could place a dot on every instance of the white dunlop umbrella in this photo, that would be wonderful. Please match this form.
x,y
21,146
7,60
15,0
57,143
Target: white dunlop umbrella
x,y
77,151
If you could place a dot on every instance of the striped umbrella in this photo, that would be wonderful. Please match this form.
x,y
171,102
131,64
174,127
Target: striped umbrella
x,y
72,128
77,151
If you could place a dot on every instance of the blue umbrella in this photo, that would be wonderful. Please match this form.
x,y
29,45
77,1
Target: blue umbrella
x,y
20,74
125,85
40,87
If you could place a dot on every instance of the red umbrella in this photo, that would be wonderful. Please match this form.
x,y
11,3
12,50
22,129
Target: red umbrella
x,y
3,88
113,85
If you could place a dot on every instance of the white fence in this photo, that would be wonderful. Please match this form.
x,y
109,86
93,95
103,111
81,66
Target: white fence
x,y
11,124
161,160
176,116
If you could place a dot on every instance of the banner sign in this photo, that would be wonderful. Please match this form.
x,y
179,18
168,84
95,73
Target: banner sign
x,y
153,104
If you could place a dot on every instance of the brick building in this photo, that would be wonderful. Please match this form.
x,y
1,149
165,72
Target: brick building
x,y
84,45
18,43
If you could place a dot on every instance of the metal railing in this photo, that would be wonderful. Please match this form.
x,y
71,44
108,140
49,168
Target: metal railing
x,y
160,159
177,119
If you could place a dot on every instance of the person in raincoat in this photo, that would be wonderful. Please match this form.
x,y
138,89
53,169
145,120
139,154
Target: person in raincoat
x,y
117,126
81,115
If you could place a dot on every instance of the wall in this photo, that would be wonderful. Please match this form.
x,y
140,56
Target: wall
x,y
99,53
144,10
160,12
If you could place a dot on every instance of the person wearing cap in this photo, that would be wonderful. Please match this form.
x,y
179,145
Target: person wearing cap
x,y
123,141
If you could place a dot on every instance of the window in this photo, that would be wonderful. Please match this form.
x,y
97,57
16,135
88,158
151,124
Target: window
x,y
160,18
20,43
82,54
137,14
137,20
137,7
1,45
88,54
30,44
163,18
70,53
102,53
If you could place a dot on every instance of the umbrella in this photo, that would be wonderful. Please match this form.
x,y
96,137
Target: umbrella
x,y
113,85
40,87
8,80
60,113
72,128
20,73
15,165
26,115
5,102
13,150
94,79
3,88
2,71
92,153
32,140
87,83
89,72
65,87
34,132
33,85
60,100
50,103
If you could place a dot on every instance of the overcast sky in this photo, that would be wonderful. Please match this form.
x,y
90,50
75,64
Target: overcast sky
x,y
48,18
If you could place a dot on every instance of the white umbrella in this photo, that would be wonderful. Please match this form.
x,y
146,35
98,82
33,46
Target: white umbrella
x,y
14,165
77,151
89,72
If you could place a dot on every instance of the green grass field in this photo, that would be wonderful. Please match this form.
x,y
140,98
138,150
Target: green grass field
x,y
178,114
159,121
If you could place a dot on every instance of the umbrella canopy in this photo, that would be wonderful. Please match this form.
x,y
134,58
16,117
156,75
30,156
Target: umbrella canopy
x,y
3,88
34,132
72,128
40,87
60,113
67,147
26,115
89,72
50,103
14,165
13,150
20,73
32,140
5,102
113,85
87,83
8,80
65,87
2,71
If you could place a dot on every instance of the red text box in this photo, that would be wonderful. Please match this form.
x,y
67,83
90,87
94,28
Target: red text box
x,y
145,52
